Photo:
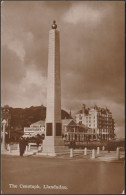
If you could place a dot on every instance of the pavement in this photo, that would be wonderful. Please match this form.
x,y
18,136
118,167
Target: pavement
x,y
59,175
17,153
110,156
77,154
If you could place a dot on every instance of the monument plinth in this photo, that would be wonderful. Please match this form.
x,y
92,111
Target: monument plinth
x,y
53,142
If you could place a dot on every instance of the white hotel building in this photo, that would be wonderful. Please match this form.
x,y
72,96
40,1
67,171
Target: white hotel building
x,y
99,120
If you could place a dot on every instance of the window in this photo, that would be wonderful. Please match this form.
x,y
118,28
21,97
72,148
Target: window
x,y
48,129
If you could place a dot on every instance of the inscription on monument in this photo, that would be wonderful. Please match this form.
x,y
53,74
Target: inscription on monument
x,y
58,129
48,129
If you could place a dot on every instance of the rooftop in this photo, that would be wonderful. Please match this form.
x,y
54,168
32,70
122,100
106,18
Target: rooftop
x,y
39,123
68,122
98,109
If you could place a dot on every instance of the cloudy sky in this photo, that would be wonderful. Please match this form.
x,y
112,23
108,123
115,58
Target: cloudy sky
x,y
92,54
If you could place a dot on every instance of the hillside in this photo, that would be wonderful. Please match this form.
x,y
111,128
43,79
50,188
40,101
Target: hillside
x,y
20,118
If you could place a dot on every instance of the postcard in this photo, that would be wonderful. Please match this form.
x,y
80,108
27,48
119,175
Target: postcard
x,y
62,97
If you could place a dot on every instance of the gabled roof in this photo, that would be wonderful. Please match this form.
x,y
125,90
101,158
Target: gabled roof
x,y
64,122
99,109
68,122
39,123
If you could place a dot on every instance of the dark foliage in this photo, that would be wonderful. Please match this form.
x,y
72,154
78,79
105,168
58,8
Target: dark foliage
x,y
20,118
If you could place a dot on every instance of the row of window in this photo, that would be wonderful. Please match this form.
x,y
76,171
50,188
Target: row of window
x,y
89,121
99,119
87,117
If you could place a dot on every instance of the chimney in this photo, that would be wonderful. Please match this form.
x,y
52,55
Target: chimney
x,y
83,109
70,113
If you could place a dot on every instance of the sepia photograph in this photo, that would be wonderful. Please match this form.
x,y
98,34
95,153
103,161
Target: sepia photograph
x,y
62,97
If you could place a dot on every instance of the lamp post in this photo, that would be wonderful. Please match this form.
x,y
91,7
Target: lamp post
x,y
3,147
7,116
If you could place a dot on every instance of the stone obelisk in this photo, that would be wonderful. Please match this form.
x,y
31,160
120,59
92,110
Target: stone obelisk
x,y
53,128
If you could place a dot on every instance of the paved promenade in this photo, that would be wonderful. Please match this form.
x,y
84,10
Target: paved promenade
x,y
78,175
77,154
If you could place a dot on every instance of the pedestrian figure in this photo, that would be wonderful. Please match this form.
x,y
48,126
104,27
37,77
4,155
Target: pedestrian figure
x,y
25,143
22,145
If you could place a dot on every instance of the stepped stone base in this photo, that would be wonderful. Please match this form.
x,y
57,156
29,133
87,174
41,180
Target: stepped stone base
x,y
57,151
52,147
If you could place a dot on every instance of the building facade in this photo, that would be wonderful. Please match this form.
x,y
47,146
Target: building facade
x,y
99,120
93,123
73,131
35,128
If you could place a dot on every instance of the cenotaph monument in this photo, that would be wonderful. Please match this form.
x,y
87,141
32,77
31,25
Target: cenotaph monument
x,y
53,142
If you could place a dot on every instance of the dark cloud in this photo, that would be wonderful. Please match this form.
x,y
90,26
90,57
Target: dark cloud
x,y
11,67
96,60
92,51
